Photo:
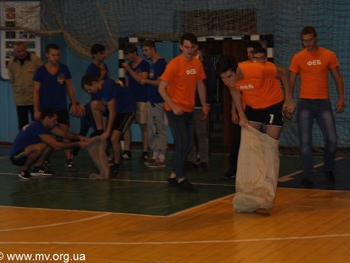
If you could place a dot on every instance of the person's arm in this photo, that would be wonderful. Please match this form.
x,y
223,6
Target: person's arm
x,y
234,115
67,134
150,82
36,90
56,145
202,92
71,95
162,89
289,104
237,100
338,79
137,77
10,72
111,117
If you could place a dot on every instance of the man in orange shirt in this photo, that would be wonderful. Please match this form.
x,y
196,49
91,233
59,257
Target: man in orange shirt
x,y
256,84
179,82
312,65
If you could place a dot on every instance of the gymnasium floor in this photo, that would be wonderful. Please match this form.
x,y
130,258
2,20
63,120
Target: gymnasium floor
x,y
46,214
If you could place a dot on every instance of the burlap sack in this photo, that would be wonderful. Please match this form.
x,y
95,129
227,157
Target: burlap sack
x,y
96,150
257,171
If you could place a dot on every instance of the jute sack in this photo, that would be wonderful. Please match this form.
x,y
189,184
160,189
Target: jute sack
x,y
96,149
257,171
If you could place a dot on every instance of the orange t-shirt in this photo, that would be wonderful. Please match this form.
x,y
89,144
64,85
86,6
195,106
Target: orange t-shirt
x,y
259,86
312,68
182,76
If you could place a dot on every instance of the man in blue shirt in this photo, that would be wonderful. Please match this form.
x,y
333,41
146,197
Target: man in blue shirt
x,y
121,106
35,143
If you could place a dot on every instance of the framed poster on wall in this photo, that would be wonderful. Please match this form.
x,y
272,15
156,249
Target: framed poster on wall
x,y
14,15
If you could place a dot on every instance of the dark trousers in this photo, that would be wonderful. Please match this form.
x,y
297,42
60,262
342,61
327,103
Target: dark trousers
x,y
234,150
182,128
23,115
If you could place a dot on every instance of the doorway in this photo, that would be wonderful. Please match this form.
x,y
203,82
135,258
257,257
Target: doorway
x,y
220,126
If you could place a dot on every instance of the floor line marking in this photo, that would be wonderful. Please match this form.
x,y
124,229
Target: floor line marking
x,y
176,242
56,224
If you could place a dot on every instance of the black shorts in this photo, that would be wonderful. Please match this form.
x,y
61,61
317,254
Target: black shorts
x,y
63,117
19,159
123,121
271,116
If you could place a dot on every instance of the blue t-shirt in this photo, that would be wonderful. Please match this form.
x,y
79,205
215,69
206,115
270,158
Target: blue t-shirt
x,y
28,136
157,69
139,91
53,92
125,101
95,70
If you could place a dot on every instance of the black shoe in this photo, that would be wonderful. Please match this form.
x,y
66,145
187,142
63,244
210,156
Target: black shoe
x,y
230,174
172,182
25,175
307,183
115,169
329,176
190,166
40,171
144,157
203,167
185,186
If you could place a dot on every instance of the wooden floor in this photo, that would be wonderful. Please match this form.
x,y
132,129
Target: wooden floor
x,y
305,225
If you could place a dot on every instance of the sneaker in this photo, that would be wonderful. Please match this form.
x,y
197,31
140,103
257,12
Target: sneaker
x,y
157,164
71,166
144,157
150,161
126,155
40,171
47,162
185,186
24,174
230,174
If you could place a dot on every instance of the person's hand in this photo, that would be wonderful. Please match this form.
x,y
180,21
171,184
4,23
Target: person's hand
x,y
143,81
205,110
83,144
243,121
288,108
37,114
126,65
82,138
105,135
340,106
234,117
178,111
74,110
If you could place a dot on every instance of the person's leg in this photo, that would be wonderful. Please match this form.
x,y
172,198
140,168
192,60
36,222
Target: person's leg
x,y
22,116
152,130
182,130
161,142
234,150
144,131
305,117
201,131
97,109
325,120
192,156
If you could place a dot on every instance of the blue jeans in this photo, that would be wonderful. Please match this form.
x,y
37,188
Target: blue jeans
x,y
321,111
182,128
